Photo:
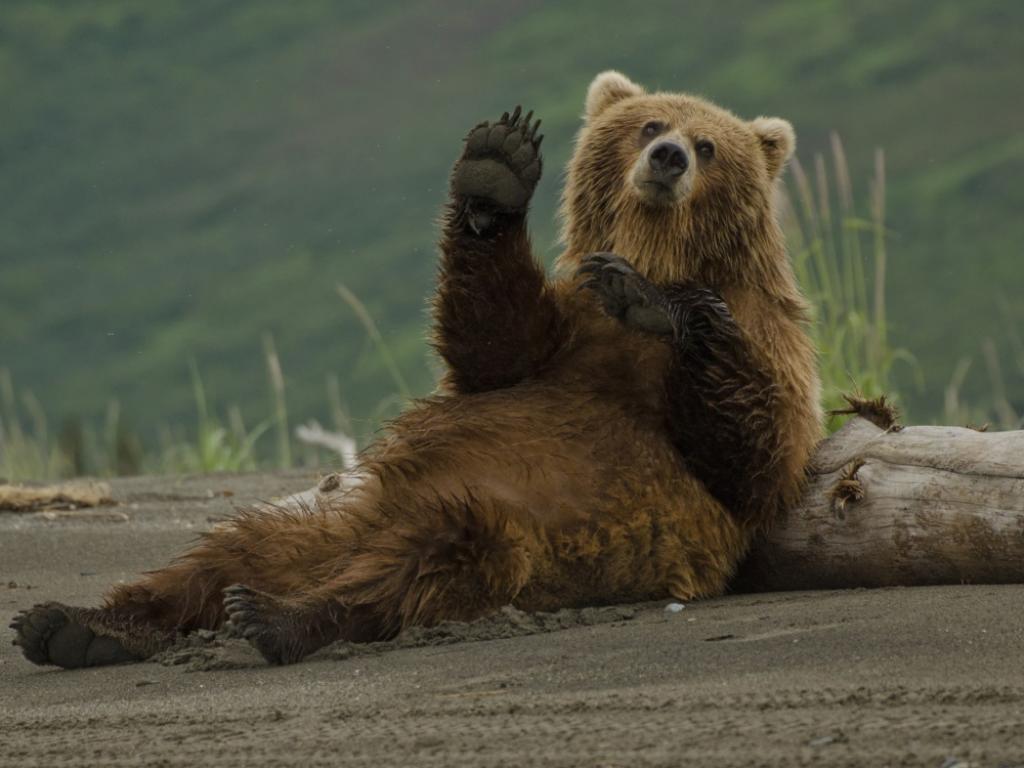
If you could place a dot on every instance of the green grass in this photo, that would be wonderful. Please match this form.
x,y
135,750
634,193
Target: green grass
x,y
840,251
1000,413
26,451
840,257
182,178
29,451
218,446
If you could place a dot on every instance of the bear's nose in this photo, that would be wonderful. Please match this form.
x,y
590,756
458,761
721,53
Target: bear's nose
x,y
669,159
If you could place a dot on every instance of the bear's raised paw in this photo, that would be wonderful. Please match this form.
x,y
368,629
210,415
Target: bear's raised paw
x,y
499,168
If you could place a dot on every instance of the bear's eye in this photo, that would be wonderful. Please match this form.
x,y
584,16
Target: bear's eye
x,y
705,149
653,128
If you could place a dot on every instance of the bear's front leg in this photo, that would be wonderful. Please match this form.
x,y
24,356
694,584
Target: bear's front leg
x,y
496,320
720,400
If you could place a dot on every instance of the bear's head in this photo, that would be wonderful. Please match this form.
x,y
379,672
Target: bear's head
x,y
682,188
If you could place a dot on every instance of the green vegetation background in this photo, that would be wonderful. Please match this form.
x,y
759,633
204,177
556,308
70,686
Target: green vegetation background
x,y
181,178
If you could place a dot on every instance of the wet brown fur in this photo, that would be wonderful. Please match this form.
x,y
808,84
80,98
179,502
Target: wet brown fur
x,y
556,467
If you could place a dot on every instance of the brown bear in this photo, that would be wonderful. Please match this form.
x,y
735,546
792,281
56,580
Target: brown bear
x,y
619,433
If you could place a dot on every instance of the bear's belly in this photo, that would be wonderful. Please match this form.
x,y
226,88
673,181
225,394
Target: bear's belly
x,y
609,507
561,455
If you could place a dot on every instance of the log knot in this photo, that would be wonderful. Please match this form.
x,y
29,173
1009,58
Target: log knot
x,y
328,483
847,490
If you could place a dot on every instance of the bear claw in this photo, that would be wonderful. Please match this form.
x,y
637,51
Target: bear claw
x,y
260,619
685,311
624,293
499,168
699,312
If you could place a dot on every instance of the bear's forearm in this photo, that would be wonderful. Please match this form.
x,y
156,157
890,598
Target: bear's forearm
x,y
496,321
722,408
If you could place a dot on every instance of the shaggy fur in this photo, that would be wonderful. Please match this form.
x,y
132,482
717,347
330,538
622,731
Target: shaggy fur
x,y
618,433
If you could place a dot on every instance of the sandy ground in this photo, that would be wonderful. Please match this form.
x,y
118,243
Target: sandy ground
x,y
926,676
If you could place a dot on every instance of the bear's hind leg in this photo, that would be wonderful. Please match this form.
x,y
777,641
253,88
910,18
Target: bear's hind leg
x,y
449,559
141,619
137,620
68,637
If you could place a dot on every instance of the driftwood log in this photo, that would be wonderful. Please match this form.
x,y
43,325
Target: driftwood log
x,y
904,506
71,495
884,506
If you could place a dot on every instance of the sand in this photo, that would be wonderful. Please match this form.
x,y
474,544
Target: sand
x,y
908,676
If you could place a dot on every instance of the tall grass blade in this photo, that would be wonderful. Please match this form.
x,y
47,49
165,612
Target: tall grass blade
x,y
374,333
284,449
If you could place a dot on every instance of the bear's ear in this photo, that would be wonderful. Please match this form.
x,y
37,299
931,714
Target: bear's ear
x,y
777,142
608,88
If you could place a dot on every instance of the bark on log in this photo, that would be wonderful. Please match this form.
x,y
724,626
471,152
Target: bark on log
x,y
923,505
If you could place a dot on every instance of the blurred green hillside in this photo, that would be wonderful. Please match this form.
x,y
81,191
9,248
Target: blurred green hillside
x,y
179,178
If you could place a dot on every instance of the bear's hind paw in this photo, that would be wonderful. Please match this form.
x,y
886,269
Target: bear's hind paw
x,y
266,622
50,633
